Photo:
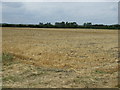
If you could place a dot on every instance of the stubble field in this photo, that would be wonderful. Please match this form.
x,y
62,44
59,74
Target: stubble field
x,y
62,58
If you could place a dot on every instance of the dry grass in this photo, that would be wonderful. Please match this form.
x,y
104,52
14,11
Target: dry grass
x,y
82,58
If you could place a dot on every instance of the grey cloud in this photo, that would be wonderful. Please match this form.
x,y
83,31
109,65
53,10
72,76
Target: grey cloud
x,y
51,12
13,4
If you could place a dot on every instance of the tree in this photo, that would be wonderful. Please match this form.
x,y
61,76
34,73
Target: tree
x,y
87,24
60,24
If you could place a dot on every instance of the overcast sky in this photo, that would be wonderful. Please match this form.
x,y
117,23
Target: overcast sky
x,y
80,12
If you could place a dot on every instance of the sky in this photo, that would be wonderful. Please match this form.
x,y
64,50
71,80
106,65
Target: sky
x,y
80,12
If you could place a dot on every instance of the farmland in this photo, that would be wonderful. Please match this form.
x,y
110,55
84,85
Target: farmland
x,y
62,58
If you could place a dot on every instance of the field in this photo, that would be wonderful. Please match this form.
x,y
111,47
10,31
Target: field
x,y
62,58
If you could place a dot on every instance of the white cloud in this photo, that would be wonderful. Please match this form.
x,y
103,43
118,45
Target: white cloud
x,y
59,0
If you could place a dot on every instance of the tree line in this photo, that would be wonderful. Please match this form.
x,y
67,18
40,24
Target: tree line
x,y
63,25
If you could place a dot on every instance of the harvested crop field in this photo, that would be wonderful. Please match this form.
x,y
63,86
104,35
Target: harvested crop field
x,y
59,58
